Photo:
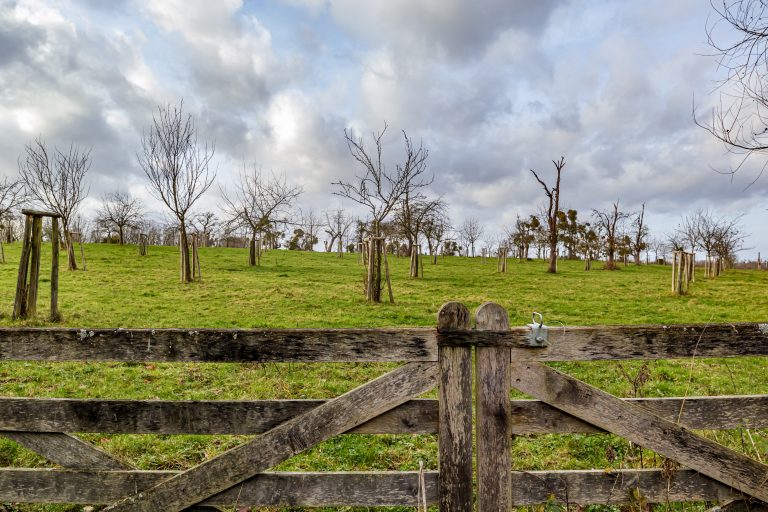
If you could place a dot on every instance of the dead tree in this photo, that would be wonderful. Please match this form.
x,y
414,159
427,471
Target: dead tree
x,y
380,190
56,183
120,211
553,194
258,203
608,222
178,168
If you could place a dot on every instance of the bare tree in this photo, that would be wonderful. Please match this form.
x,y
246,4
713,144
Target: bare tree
x,y
381,190
436,227
56,183
337,226
470,232
553,194
609,223
410,218
739,38
259,202
119,211
178,168
311,224
640,233
12,194
205,224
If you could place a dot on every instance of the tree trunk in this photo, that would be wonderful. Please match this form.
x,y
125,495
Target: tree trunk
x,y
186,271
552,269
120,236
71,260
252,251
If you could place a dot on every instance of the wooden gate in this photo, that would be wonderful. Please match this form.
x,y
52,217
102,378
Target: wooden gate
x,y
388,404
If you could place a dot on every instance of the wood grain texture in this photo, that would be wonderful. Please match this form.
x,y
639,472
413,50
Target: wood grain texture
x,y
55,317
333,489
39,213
626,341
278,444
66,450
493,415
212,345
455,414
418,416
641,427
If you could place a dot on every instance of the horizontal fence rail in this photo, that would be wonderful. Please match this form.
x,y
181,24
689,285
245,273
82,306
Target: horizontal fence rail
x,y
418,416
368,488
378,345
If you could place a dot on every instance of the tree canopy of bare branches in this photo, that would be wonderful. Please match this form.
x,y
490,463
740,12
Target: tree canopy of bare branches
x,y
470,232
381,190
259,201
553,195
337,225
178,168
119,211
56,183
738,37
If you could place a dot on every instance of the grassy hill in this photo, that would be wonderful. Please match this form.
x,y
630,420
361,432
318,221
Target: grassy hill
x,y
293,289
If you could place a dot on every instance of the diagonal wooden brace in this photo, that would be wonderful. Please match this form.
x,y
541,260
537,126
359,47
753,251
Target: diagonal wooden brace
x,y
284,441
641,427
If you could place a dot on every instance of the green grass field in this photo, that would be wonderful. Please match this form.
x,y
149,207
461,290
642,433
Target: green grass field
x,y
293,289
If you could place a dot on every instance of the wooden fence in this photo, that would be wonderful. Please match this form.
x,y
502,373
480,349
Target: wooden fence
x,y
471,367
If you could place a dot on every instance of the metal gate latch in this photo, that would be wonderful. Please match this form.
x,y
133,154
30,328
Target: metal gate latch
x,y
539,333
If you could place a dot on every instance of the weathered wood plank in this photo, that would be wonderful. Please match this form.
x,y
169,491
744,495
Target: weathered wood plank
x,y
698,413
418,416
228,345
301,433
340,345
192,417
616,487
626,341
365,488
67,451
266,489
455,415
494,433
641,427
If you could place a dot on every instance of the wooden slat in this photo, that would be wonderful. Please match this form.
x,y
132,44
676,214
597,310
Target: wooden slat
x,y
418,416
698,413
228,345
339,345
641,427
40,213
455,413
594,487
626,341
278,444
494,433
363,489
66,450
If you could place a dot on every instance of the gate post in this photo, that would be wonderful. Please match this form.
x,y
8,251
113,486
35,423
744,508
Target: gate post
x,y
494,426
455,414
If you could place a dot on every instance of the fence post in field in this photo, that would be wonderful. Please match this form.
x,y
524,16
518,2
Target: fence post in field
x,y
494,426
455,414
55,269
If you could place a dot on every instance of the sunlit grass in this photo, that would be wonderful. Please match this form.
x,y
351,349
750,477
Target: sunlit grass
x,y
293,289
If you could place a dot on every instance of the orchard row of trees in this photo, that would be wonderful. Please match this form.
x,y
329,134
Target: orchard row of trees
x,y
260,211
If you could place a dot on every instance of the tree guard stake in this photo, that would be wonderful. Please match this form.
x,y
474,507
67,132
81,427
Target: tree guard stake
x,y
539,333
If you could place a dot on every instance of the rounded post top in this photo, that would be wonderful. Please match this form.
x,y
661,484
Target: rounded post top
x,y
453,315
491,316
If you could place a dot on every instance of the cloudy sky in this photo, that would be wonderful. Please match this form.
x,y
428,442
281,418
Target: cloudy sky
x,y
492,89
